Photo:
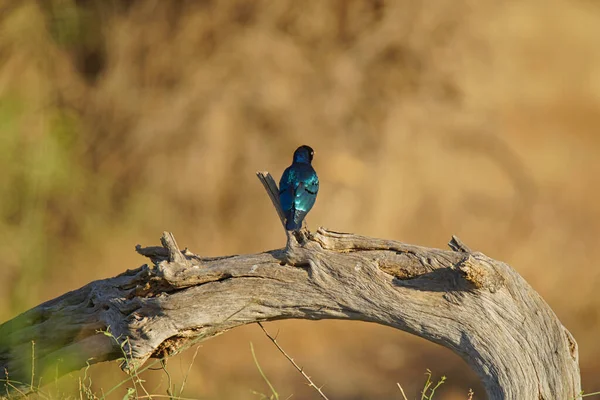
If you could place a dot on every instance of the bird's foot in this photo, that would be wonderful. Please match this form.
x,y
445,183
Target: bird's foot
x,y
303,235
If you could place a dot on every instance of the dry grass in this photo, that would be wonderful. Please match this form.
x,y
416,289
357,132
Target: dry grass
x,y
121,119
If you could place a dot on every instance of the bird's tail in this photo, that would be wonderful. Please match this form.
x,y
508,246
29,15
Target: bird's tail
x,y
292,225
294,220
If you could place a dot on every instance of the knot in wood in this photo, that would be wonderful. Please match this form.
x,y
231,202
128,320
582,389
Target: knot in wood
x,y
480,274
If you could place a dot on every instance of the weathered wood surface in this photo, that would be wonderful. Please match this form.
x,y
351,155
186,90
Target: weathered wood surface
x,y
476,306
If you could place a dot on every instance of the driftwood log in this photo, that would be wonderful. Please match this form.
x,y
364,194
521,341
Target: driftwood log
x,y
478,307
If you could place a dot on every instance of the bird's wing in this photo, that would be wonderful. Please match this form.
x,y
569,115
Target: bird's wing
x,y
286,190
312,185
284,181
306,194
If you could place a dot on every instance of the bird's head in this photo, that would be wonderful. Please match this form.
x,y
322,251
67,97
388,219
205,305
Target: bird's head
x,y
304,154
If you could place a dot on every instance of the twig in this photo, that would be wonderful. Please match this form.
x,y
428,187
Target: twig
x,y
587,394
188,371
168,241
17,389
457,245
163,364
275,394
440,382
7,384
401,390
301,370
273,191
32,365
427,385
163,396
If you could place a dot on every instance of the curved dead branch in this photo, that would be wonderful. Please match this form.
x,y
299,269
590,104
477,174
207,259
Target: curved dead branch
x,y
478,307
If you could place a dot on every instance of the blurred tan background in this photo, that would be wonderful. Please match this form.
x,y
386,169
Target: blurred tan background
x,y
120,119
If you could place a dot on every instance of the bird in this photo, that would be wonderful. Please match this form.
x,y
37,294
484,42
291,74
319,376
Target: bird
x,y
298,188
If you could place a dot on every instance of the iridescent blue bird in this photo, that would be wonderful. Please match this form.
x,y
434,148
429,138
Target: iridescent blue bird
x,y
298,188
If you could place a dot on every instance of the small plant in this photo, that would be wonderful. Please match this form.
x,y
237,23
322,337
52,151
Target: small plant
x,y
581,395
429,388
20,390
291,360
134,373
274,395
